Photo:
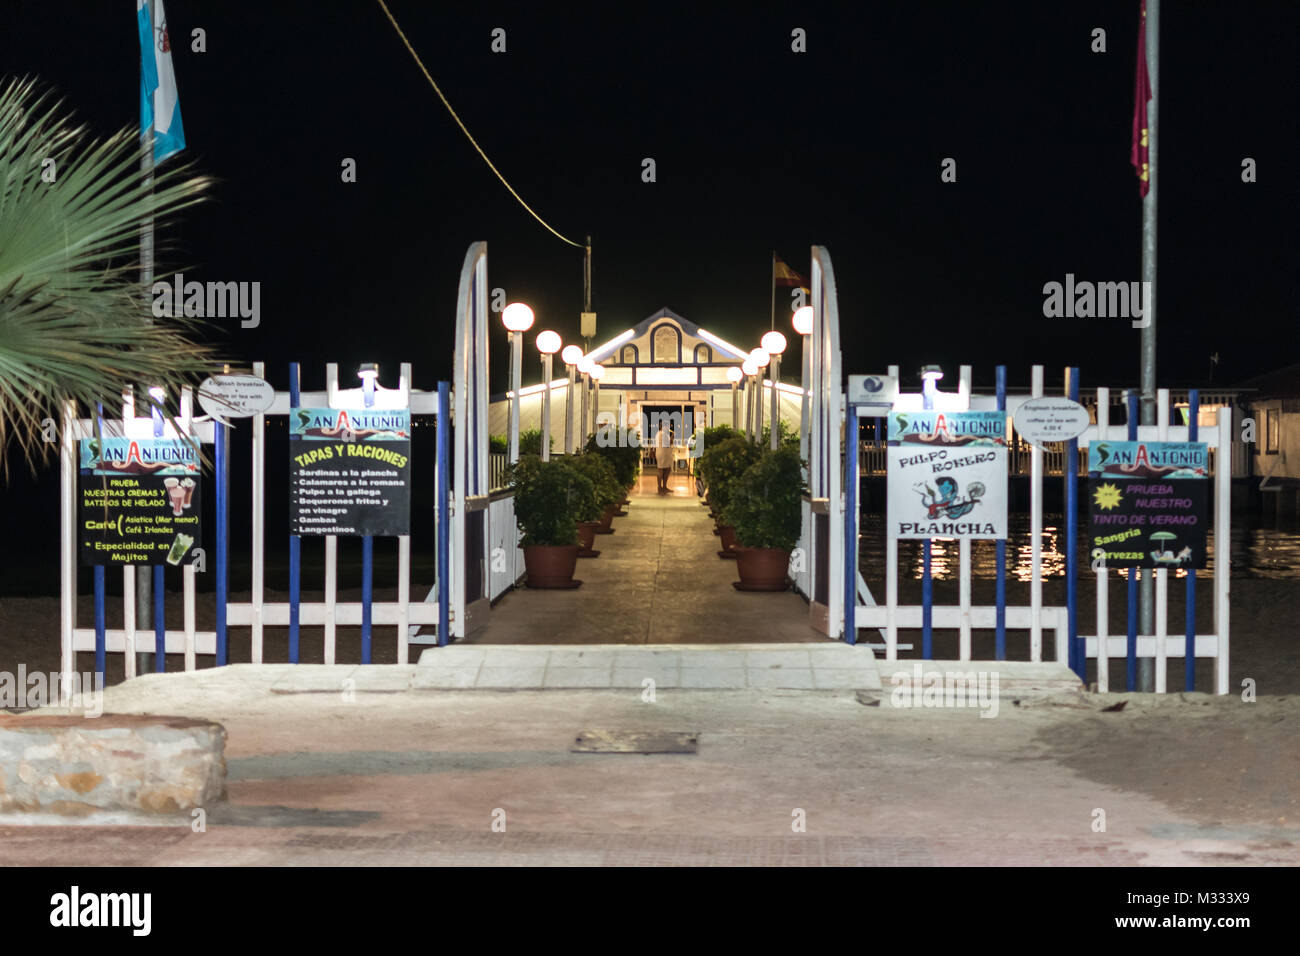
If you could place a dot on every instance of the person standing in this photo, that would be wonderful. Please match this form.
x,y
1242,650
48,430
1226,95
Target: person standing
x,y
664,457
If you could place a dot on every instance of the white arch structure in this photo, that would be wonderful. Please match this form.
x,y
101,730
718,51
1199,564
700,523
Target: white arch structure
x,y
470,602
821,441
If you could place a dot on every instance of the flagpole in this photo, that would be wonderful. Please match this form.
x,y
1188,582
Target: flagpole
x,y
144,579
1146,602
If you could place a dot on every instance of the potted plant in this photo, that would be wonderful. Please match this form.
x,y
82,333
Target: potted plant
x,y
606,494
549,496
625,460
763,506
724,464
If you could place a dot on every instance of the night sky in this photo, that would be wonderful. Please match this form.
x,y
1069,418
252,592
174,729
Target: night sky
x,y
757,149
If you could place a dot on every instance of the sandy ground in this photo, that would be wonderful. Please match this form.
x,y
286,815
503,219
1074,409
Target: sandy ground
x,y
419,777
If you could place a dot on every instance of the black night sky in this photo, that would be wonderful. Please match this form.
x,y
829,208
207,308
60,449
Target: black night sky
x,y
757,148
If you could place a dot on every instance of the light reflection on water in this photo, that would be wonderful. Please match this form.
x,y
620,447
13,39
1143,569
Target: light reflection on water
x,y
1256,552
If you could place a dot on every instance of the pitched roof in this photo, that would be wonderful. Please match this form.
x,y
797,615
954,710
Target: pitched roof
x,y
641,328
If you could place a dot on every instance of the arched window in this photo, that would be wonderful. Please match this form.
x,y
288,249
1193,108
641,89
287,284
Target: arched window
x,y
666,348
703,355
629,355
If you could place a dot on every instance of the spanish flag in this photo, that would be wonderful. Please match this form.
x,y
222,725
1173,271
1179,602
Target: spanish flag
x,y
1141,96
784,276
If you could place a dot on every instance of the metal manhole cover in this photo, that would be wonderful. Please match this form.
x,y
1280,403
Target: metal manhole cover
x,y
632,742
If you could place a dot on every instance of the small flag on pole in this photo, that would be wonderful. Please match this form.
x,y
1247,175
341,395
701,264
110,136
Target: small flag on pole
x,y
1141,96
784,276
160,106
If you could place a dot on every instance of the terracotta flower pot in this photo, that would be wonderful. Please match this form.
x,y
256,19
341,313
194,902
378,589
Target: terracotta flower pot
x,y
586,538
728,535
762,569
606,520
550,566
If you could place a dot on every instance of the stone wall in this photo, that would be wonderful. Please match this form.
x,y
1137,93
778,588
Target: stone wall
x,y
76,766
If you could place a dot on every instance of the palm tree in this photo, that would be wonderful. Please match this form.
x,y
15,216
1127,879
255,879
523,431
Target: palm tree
x,y
74,322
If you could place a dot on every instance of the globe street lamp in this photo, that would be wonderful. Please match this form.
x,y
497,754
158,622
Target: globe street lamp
x,y
734,375
518,319
572,355
774,344
548,343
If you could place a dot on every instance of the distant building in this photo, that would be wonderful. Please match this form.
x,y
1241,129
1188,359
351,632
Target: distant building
x,y
1273,402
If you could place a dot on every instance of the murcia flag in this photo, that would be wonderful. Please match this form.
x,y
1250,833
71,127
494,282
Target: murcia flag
x,y
160,107
1141,96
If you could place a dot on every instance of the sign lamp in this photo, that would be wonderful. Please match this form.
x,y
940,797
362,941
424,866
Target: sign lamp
x,y
517,317
548,342
734,374
572,354
803,320
760,357
773,342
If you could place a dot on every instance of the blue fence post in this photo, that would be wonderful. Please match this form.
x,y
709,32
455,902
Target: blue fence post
x,y
927,589
1189,647
367,550
444,547
101,619
221,465
1130,677
1001,544
1078,655
295,541
851,526
159,581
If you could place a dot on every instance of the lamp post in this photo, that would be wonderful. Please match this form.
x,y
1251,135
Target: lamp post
x,y
774,344
548,343
749,370
734,375
584,370
802,320
518,319
761,359
597,373
572,355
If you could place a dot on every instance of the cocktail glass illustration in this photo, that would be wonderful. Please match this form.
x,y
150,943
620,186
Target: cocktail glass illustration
x,y
179,549
176,494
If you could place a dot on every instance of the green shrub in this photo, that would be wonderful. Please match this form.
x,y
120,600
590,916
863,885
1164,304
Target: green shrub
x,y
549,497
764,503
606,489
530,442
722,465
498,445
625,459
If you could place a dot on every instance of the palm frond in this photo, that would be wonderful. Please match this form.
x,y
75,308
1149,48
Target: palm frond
x,y
74,322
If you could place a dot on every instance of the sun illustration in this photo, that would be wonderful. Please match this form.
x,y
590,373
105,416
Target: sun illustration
x,y
1106,496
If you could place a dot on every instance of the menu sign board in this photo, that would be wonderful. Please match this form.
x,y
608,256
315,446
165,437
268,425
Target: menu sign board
x,y
1148,504
350,471
139,501
947,475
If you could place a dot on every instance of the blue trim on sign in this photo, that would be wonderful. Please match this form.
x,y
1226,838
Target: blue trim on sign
x,y
1001,595
927,581
159,619
1130,677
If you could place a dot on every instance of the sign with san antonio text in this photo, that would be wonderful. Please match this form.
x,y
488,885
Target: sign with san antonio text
x,y
947,474
1148,504
350,471
139,501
